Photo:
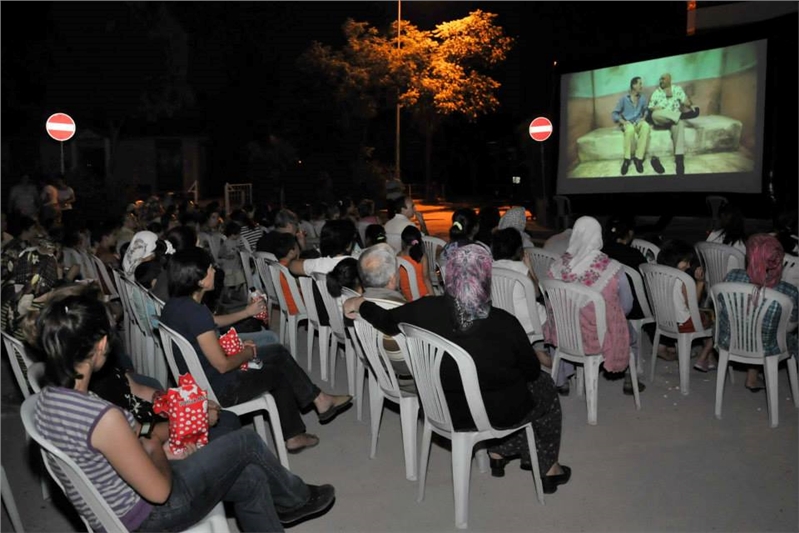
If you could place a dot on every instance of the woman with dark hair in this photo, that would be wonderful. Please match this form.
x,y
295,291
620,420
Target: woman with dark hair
x,y
681,255
191,274
147,486
462,232
487,220
413,251
251,231
514,389
764,255
344,274
732,231
374,234
335,243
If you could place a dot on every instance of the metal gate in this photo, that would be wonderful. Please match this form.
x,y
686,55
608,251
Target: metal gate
x,y
237,195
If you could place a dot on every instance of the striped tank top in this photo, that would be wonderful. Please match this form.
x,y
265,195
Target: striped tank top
x,y
67,419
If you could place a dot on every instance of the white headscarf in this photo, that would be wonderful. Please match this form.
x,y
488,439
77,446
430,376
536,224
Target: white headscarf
x,y
141,247
584,261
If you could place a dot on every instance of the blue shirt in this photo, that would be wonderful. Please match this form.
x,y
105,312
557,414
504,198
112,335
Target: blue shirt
x,y
628,111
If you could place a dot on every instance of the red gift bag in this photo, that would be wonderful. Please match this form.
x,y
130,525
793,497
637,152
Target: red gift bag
x,y
187,409
231,344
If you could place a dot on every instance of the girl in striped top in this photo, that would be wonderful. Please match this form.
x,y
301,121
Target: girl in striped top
x,y
148,487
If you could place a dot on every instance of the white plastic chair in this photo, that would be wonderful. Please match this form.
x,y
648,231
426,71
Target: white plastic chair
x,y
746,321
660,281
717,260
338,333
412,281
650,250
153,363
360,358
789,265
432,245
424,351
306,288
247,264
20,362
109,287
715,203
290,321
265,402
129,325
541,260
210,243
646,309
566,301
504,283
383,385
262,260
55,459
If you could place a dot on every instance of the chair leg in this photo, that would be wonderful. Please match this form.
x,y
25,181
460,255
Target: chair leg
x,y
655,344
10,504
770,366
277,431
427,437
309,342
591,371
791,363
555,366
375,411
349,358
284,319
359,379
461,470
721,373
684,357
324,351
409,414
539,489
293,327
634,376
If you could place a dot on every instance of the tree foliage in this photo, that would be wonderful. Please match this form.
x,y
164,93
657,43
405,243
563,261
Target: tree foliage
x,y
433,74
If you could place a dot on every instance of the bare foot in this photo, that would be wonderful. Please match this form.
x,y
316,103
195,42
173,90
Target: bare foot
x,y
325,401
300,442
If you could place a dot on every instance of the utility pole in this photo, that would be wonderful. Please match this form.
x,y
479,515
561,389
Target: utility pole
x,y
397,137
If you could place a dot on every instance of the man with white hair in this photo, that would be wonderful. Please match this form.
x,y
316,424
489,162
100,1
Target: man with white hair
x,y
669,105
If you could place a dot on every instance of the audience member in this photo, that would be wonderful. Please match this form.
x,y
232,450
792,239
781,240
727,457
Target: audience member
x,y
413,252
516,218
732,231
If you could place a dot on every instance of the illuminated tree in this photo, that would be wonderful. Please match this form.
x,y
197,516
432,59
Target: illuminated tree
x,y
434,74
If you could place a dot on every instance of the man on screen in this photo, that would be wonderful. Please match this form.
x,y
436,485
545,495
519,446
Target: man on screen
x,y
669,104
629,114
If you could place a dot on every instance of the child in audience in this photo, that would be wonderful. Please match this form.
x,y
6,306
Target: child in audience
x,y
374,234
413,251
286,250
230,260
680,255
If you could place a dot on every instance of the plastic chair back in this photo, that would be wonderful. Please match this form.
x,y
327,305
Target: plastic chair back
x,y
504,283
718,259
431,247
332,305
640,293
109,288
660,281
209,243
566,300
275,270
371,342
20,362
412,281
541,260
171,339
650,250
262,261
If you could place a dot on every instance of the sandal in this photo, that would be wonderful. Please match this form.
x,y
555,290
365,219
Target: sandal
x,y
334,410
310,442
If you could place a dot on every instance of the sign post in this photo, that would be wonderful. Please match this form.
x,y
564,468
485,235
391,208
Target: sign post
x,y
540,130
60,127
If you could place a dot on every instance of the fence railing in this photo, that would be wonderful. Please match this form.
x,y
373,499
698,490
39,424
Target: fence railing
x,y
237,195
194,189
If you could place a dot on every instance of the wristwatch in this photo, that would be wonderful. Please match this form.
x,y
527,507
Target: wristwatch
x,y
146,430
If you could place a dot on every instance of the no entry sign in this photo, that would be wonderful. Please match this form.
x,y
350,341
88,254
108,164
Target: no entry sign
x,y
540,129
60,127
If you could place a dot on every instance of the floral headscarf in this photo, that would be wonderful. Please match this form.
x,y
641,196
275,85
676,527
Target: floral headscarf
x,y
141,246
515,217
764,256
469,284
583,261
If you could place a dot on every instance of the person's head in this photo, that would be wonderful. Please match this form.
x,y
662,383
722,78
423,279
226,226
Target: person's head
x,y
337,237
665,81
468,286
241,216
785,228
620,228
507,244
764,255
156,228
678,254
232,229
366,208
636,84
333,212
402,205
190,271
72,332
130,220
147,273
515,217
181,237
107,236
374,234
732,222
142,248
586,238
285,246
344,274
377,266
488,218
412,242
464,224
286,221
24,228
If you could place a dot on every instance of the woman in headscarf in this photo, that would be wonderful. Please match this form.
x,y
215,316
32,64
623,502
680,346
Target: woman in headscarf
x,y
584,263
143,247
516,218
514,388
764,255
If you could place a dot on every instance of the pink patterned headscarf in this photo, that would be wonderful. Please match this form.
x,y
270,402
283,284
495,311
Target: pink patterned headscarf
x,y
469,284
764,256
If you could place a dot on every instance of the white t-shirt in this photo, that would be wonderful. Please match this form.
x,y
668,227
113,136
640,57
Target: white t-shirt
x,y
321,264
680,306
394,229
718,236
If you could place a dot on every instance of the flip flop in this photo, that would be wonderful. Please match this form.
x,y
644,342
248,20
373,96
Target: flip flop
x,y
701,368
334,410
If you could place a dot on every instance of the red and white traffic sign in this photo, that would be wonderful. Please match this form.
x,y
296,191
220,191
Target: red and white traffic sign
x,y
540,129
60,127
